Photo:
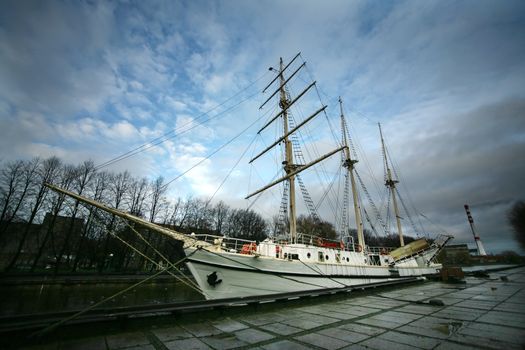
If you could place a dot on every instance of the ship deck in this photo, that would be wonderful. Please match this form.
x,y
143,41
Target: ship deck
x,y
483,313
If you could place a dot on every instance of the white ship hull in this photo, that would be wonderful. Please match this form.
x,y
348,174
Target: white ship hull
x,y
252,275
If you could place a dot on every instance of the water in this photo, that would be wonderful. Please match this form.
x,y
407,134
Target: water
x,y
30,299
487,267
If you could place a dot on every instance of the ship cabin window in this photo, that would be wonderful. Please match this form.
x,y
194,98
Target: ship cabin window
x,y
286,255
326,257
294,256
321,256
308,255
347,259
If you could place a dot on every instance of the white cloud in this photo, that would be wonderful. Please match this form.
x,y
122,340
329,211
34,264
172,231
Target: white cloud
x,y
97,79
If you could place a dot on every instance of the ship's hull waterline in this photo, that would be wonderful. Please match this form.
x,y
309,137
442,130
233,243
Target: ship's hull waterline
x,y
238,276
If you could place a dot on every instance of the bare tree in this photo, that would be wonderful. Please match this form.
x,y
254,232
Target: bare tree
x,y
246,224
315,227
118,188
47,171
220,214
67,174
158,190
516,216
99,186
138,191
26,184
10,179
82,176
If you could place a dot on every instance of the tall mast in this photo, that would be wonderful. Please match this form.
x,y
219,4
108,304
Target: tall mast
x,y
391,184
349,165
289,167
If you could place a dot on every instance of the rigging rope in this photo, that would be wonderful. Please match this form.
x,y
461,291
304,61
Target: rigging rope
x,y
212,153
91,307
407,213
371,203
230,172
163,138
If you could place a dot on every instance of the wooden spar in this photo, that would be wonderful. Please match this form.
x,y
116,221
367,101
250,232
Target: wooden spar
x,y
289,165
277,77
391,184
287,107
187,240
349,164
297,171
289,133
282,85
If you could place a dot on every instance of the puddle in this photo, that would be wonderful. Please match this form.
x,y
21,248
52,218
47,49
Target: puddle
x,y
449,328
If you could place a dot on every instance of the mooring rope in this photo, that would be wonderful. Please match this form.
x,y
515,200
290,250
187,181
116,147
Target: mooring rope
x,y
114,234
91,307
188,282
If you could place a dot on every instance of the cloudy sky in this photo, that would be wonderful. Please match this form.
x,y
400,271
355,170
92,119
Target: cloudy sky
x,y
93,80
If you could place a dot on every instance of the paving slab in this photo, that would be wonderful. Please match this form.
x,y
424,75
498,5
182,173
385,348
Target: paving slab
x,y
228,325
85,344
459,313
303,323
202,329
371,321
253,335
363,329
446,345
409,339
419,309
322,341
281,328
377,343
344,334
187,344
482,313
224,341
284,345
481,341
171,333
126,340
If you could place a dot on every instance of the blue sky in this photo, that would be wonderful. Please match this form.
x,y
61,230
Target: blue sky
x,y
94,79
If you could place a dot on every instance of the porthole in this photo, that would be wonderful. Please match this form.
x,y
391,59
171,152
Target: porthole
x,y
326,257
308,255
347,260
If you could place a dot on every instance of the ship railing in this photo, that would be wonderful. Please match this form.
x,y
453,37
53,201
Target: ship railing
x,y
379,250
229,244
438,244
318,241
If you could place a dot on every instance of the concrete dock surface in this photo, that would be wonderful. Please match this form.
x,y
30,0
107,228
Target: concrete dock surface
x,y
483,313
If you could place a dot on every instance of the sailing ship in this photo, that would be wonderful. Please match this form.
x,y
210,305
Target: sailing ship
x,y
226,267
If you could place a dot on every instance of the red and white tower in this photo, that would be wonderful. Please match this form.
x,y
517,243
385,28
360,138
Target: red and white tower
x,y
481,250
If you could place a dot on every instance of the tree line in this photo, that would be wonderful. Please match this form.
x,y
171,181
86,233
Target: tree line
x,y
42,230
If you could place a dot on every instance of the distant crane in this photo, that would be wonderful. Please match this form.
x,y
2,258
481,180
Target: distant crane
x,y
481,250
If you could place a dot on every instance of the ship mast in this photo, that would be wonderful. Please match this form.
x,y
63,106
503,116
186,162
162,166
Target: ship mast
x,y
288,164
349,165
291,169
391,184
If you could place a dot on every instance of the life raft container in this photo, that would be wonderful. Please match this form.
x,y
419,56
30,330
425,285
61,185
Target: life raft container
x,y
248,248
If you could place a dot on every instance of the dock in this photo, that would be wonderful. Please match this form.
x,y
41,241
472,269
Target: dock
x,y
482,313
